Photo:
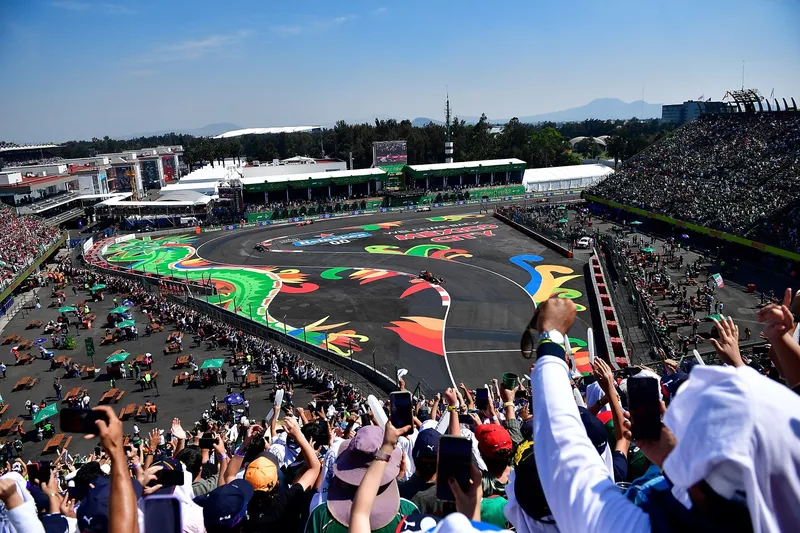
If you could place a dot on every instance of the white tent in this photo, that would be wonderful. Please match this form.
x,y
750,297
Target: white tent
x,y
564,178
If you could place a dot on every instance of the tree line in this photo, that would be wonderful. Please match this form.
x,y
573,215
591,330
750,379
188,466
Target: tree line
x,y
540,145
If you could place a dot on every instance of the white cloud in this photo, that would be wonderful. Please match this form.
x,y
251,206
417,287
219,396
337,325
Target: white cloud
x,y
104,7
286,30
193,48
380,10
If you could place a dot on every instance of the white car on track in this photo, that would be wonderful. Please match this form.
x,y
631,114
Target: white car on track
x,y
423,207
584,243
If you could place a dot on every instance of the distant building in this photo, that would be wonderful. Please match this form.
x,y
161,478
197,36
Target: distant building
x,y
690,110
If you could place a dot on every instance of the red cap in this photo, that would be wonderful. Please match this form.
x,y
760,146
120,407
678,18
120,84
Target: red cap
x,y
493,440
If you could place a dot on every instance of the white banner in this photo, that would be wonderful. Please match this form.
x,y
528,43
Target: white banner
x,y
87,244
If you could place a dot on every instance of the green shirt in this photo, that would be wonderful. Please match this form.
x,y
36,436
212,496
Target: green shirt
x,y
322,521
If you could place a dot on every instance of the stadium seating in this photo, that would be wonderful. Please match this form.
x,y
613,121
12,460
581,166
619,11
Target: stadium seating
x,y
732,173
23,239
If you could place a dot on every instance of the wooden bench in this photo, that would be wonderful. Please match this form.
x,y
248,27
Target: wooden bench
x,y
59,440
140,411
155,327
33,324
182,361
3,408
128,411
11,339
25,345
8,425
119,396
174,336
26,359
89,370
25,383
72,394
173,347
109,396
108,339
252,380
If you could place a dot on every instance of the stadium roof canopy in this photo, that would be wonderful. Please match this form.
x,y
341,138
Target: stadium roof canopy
x,y
465,167
22,148
263,131
312,179
563,178
174,199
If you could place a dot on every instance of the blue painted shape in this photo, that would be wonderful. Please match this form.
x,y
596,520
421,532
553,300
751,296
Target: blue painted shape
x,y
523,261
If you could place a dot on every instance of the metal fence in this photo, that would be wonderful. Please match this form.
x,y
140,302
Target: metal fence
x,y
519,213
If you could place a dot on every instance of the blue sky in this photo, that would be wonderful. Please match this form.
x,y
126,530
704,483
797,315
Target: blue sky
x,y
83,68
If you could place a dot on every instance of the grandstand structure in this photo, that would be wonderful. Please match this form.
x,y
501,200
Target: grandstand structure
x,y
731,176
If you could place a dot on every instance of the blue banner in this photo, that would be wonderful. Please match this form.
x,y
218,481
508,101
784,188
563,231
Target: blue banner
x,y
264,223
296,219
326,215
484,200
461,202
333,238
528,196
384,210
356,212
233,226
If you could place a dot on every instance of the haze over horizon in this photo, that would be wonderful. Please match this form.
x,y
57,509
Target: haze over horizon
x,y
77,69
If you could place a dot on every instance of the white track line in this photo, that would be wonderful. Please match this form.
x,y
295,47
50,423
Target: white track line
x,y
482,351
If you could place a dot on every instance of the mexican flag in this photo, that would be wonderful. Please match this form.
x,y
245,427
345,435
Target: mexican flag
x,y
718,280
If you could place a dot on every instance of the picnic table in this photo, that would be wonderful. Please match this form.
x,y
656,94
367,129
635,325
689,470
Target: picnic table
x,y
73,394
181,361
128,411
174,336
90,370
112,395
238,358
252,380
8,425
59,440
3,408
182,378
25,359
173,347
60,361
25,383
87,320
140,360
108,339
11,339
25,344
33,324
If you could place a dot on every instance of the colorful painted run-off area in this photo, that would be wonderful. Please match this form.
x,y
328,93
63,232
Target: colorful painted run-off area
x,y
362,295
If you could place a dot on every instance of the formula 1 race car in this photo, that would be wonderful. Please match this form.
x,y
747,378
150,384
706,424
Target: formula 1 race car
x,y
260,247
430,278
305,223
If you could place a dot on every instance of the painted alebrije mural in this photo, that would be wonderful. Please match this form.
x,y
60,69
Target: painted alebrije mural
x,y
423,332
434,251
580,353
249,290
245,290
455,218
377,226
545,282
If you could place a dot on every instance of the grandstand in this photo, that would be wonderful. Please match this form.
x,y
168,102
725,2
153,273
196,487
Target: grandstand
x,y
736,176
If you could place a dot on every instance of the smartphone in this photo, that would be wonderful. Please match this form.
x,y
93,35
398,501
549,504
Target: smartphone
x,y
168,478
465,419
454,461
207,442
645,408
365,420
72,420
98,451
162,513
400,403
39,472
482,398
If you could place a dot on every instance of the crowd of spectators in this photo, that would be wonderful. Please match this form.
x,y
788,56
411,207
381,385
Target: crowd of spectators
x,y
556,221
731,173
23,239
558,455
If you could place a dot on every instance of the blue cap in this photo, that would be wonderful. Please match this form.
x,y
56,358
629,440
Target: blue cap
x,y
55,523
93,511
426,447
594,430
226,506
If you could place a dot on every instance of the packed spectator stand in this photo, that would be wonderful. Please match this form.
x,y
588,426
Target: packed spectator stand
x,y
736,173
23,239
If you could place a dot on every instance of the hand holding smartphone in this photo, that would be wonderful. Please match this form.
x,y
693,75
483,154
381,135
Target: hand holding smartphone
x,y
72,420
401,412
482,398
645,408
454,461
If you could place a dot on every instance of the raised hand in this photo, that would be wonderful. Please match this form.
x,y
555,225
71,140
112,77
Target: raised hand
x,y
727,346
176,429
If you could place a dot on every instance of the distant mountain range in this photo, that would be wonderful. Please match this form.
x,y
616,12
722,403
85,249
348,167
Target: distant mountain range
x,y
599,108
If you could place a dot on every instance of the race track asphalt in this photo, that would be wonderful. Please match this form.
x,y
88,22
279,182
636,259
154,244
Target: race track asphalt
x,y
489,304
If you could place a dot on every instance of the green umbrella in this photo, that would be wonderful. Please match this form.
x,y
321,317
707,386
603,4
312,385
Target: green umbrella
x,y
121,309
117,358
563,221
715,316
561,207
126,324
66,309
647,250
98,287
635,223
213,363
47,412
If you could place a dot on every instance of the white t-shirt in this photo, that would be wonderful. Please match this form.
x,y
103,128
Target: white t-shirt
x,y
327,473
